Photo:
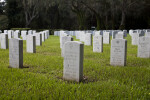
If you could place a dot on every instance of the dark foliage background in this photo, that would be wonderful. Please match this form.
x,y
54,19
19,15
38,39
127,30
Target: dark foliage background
x,y
75,14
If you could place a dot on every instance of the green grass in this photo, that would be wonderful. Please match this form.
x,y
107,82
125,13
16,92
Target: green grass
x,y
43,78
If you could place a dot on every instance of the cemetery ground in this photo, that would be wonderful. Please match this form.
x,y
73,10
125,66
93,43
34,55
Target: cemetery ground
x,y
41,77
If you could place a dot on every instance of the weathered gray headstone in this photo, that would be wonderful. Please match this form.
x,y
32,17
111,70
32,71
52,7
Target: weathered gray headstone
x,y
16,53
73,61
118,52
4,41
88,39
144,47
98,43
31,44
64,40
106,38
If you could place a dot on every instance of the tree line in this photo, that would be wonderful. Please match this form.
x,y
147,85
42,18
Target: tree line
x,y
75,14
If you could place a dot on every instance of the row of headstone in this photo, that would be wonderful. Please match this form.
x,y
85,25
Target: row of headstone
x,y
74,53
16,47
135,35
24,33
12,33
93,32
71,33
45,34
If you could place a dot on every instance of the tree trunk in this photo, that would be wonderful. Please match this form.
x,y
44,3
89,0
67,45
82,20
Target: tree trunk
x,y
113,15
106,22
26,15
96,14
98,22
113,22
122,25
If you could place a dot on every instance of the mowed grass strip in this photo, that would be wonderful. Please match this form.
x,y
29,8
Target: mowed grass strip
x,y
42,77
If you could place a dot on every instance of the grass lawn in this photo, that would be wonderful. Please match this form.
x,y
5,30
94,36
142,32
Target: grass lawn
x,y
43,78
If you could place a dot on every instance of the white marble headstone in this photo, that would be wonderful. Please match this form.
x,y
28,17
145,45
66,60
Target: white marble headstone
x,y
24,35
4,41
43,36
77,34
31,44
38,39
106,38
73,61
30,32
16,53
5,31
118,52
98,43
144,47
16,34
10,34
64,40
62,34
147,34
119,35
88,39
135,38
82,36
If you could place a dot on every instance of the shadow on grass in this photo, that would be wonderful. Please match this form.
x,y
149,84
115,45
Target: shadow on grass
x,y
20,67
85,80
